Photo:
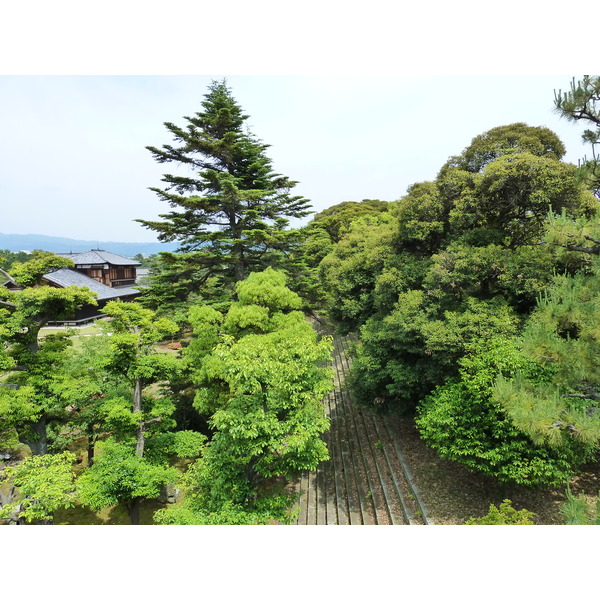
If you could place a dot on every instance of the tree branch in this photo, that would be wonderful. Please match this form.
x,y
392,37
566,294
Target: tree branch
x,y
591,239
8,276
594,250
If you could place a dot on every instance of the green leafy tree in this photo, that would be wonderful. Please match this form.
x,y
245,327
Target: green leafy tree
x,y
352,271
336,219
27,311
574,241
503,140
422,218
44,483
258,374
132,356
463,422
32,401
7,259
133,420
514,194
100,401
461,271
459,252
120,476
231,212
31,271
404,356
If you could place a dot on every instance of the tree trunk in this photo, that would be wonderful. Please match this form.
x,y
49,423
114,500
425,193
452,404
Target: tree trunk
x,y
137,396
251,474
239,268
140,440
37,430
32,335
137,407
134,511
90,450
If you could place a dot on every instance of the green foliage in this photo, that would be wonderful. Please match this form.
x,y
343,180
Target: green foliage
x,y
230,213
39,263
457,264
422,218
336,219
17,405
268,289
8,258
134,331
563,333
229,513
37,403
350,272
504,514
507,139
484,272
33,308
514,194
316,245
118,475
262,392
175,279
45,484
182,444
577,511
574,241
403,356
462,422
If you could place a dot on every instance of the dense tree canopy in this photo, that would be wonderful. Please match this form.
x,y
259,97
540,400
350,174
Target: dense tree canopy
x,y
35,398
231,211
457,264
258,375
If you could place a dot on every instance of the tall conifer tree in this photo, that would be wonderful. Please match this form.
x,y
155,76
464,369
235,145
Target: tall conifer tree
x,y
230,213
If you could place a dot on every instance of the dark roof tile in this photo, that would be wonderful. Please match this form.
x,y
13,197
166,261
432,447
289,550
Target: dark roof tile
x,y
67,277
98,257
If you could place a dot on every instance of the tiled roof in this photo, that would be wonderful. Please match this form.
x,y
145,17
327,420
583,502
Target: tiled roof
x,y
66,277
97,257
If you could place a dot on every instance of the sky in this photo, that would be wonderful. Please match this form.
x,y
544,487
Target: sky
x,y
74,163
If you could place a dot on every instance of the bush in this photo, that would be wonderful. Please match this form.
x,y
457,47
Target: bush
x,y
505,514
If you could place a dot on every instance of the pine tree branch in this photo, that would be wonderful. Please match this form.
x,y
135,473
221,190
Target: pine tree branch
x,y
591,239
594,250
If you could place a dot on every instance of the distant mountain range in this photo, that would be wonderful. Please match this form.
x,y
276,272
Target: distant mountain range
x,y
16,242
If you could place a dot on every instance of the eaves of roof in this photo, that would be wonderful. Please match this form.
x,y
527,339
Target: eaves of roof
x,y
97,257
66,277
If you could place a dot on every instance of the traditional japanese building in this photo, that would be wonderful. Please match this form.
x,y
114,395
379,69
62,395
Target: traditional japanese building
x,y
109,275
105,267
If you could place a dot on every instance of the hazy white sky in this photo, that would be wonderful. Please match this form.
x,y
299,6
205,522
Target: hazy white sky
x,y
73,161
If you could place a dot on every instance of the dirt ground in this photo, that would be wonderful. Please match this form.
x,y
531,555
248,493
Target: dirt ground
x,y
453,494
